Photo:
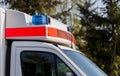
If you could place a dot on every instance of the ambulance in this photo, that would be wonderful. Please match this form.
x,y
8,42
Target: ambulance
x,y
39,45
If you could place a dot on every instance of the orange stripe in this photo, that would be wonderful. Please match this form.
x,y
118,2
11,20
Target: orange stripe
x,y
60,34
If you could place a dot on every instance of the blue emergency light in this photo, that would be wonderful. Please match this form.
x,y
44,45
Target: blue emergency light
x,y
40,19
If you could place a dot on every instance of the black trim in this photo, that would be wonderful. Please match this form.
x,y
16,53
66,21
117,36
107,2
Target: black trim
x,y
56,68
8,58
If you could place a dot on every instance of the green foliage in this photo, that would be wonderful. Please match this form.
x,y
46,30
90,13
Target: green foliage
x,y
59,9
116,66
102,34
34,6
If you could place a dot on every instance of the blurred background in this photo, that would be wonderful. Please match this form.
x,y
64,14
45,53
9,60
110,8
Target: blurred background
x,y
95,25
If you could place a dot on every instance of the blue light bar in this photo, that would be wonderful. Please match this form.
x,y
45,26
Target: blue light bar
x,y
40,19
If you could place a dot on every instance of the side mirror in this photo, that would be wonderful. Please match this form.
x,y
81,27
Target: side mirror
x,y
68,74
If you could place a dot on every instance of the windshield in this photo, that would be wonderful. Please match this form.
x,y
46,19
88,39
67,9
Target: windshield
x,y
87,66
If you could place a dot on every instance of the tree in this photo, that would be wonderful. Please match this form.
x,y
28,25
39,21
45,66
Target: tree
x,y
102,34
59,9
64,12
47,7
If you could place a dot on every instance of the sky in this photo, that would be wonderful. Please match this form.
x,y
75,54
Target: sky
x,y
2,6
98,3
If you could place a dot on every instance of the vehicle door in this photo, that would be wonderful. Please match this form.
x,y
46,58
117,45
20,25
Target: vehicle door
x,y
30,58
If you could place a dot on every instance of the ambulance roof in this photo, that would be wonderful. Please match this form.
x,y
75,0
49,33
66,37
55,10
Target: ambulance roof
x,y
22,26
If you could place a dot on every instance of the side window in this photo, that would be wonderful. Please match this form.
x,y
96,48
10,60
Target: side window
x,y
37,64
63,69
43,64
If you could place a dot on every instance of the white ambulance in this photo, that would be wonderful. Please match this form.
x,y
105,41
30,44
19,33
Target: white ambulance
x,y
39,46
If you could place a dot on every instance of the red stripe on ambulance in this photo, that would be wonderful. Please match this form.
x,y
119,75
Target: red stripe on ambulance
x,y
39,31
25,31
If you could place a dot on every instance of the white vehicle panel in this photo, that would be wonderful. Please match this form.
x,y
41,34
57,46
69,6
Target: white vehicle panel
x,y
19,47
2,42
